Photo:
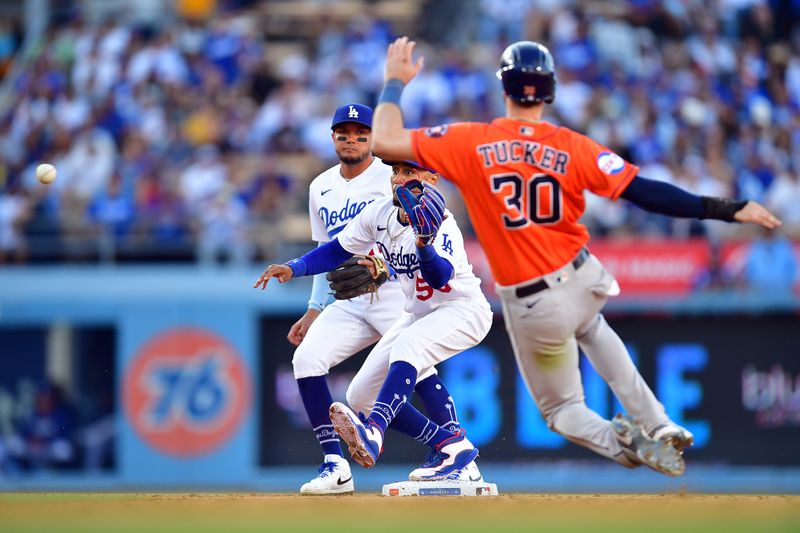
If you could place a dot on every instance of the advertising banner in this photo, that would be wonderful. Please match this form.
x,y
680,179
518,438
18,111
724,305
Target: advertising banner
x,y
660,267
186,387
654,267
734,382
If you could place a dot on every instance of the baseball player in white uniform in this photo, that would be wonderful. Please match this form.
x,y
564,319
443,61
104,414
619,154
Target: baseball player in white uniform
x,y
445,313
326,335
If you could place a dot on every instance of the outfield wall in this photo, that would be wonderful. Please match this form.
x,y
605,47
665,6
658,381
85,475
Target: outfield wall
x,y
203,395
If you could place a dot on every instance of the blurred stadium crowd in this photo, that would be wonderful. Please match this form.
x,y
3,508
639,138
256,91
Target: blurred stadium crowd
x,y
41,429
194,135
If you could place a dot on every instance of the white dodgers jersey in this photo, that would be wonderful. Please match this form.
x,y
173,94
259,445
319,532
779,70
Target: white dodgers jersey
x,y
377,226
334,201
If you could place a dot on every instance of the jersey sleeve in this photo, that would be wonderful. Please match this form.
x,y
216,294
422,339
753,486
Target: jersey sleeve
x,y
318,232
449,242
441,148
358,237
601,171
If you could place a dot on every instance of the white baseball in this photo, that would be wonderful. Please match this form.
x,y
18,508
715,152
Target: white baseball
x,y
45,173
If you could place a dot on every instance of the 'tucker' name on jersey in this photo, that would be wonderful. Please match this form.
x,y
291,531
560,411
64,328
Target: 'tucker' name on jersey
x,y
531,152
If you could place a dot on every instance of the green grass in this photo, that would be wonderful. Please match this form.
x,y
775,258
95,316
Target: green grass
x,y
196,513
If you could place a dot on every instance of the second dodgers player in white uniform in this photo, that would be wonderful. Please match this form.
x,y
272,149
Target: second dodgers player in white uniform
x,y
326,335
445,313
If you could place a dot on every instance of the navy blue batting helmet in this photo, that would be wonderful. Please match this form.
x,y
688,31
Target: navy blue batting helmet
x,y
528,73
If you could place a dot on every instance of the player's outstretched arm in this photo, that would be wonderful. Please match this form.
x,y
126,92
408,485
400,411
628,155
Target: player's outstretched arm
x,y
390,138
322,259
659,197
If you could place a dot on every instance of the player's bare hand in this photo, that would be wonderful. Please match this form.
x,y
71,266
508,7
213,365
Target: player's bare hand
x,y
755,213
298,331
281,272
400,62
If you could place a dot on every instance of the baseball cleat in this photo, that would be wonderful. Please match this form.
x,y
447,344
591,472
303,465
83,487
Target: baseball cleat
x,y
468,473
676,436
334,478
430,459
641,448
365,442
449,456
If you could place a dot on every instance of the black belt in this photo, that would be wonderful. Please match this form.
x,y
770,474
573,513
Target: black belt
x,y
539,286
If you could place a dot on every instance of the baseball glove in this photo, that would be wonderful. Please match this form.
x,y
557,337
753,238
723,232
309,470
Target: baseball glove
x,y
351,279
425,209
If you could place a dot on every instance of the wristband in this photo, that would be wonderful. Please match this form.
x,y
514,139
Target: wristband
x,y
392,91
721,208
298,267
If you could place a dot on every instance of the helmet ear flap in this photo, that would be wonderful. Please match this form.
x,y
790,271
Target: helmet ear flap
x,y
529,87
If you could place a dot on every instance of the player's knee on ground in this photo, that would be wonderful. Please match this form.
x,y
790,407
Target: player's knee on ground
x,y
308,364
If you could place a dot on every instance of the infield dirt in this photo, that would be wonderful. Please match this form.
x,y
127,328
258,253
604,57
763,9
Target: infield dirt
x,y
137,512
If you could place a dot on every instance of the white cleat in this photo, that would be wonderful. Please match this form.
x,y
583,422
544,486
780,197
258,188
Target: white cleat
x,y
676,436
471,472
452,455
334,478
468,473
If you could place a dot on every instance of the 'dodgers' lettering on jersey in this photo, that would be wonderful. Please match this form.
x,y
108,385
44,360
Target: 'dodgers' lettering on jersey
x,y
348,212
403,263
533,153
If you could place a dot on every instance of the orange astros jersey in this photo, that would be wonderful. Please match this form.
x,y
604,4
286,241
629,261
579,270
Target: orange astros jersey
x,y
523,185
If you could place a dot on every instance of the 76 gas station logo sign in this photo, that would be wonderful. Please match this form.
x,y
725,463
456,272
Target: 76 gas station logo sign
x,y
186,392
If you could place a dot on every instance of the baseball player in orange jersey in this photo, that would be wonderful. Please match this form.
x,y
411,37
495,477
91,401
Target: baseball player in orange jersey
x,y
523,180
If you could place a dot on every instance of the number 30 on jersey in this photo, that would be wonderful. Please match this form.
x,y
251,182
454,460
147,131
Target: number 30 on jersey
x,y
537,199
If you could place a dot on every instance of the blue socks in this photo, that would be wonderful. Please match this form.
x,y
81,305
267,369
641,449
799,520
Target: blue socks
x,y
438,403
392,407
394,393
419,427
317,400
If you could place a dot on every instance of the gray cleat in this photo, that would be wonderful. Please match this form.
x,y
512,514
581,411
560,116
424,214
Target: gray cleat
x,y
676,436
639,447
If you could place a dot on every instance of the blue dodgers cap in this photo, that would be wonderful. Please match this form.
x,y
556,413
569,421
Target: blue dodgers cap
x,y
358,113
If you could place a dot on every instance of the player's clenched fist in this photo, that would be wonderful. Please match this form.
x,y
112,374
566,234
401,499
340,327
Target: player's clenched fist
x,y
425,212
282,272
400,64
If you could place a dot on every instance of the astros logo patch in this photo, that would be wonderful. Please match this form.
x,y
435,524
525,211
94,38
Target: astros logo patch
x,y
436,131
186,392
610,163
